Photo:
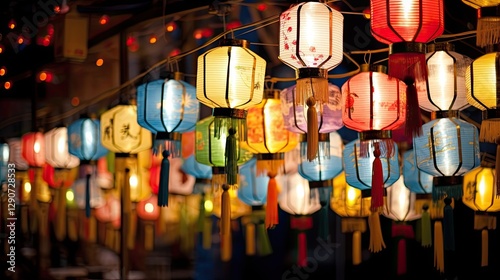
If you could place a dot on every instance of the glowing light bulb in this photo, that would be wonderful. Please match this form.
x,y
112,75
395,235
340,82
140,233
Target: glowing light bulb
x,y
27,187
209,206
36,147
70,196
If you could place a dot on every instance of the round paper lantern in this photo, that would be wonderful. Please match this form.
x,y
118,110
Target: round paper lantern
x,y
253,188
329,115
57,150
488,21
15,155
33,148
448,149
85,139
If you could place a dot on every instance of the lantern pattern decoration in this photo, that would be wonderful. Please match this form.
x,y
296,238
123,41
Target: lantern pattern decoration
x,y
166,108
299,200
482,85
349,203
4,162
488,21
401,209
148,211
253,192
309,43
268,139
374,104
329,116
406,26
448,149
480,195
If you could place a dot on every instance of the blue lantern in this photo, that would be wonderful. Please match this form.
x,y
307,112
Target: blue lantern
x,y
85,139
328,163
202,173
415,179
252,189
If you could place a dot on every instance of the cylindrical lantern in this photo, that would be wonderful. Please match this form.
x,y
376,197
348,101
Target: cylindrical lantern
x,y
296,118
85,139
328,163
415,179
445,87
57,150
488,21
33,148
15,155
481,195
406,26
448,149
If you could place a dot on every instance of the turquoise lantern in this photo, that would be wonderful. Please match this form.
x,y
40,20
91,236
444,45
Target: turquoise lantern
x,y
167,108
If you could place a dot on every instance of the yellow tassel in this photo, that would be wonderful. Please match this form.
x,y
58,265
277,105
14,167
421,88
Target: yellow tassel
x,y
148,236
61,215
225,230
488,32
312,129
207,234
250,239
490,130
132,230
484,247
376,238
438,246
356,248
315,87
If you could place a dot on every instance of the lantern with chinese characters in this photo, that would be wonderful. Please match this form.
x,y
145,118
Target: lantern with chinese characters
x,y
299,200
311,43
149,212
167,108
482,84
268,138
374,104
488,21
406,26
448,149
481,195
329,116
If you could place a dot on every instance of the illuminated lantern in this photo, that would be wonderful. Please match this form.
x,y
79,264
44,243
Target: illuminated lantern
x,y
482,84
329,116
4,162
268,138
33,148
406,26
166,108
57,150
373,104
311,43
299,200
488,21
448,149
15,155
149,212
481,195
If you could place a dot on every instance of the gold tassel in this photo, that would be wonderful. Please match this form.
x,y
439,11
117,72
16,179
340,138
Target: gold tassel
x,y
207,234
490,130
356,248
225,224
438,246
488,32
132,229
312,129
250,239
376,238
484,247
61,214
311,87
148,236
269,166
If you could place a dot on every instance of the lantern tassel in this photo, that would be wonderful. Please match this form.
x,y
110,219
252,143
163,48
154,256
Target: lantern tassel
x,y
377,180
448,226
484,247
225,224
376,238
438,246
231,158
497,168
164,180
488,32
272,202
302,249
425,225
356,247
312,129
401,267
413,124
263,243
87,196
250,239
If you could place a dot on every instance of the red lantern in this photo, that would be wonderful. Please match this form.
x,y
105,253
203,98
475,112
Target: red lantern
x,y
33,148
406,26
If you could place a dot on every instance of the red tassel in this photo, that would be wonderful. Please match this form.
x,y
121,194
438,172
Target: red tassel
x,y
272,203
413,123
302,250
377,180
401,269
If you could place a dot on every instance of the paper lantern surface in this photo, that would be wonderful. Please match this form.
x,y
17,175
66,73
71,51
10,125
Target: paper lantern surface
x,y
295,197
85,139
57,149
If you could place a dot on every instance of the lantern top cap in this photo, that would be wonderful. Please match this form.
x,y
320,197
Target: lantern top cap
x,y
440,47
489,11
234,43
407,47
373,68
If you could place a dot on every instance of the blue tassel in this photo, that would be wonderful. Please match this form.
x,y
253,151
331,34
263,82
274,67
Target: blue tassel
x,y
87,197
164,178
448,226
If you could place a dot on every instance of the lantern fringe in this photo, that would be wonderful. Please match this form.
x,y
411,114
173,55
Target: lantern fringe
x,y
172,146
148,236
61,214
316,88
265,166
451,191
438,246
386,147
356,247
87,195
312,129
489,131
218,180
376,238
231,158
484,223
250,239
425,226
488,32
164,180
263,243
225,225
448,226
377,200
484,247
353,224
272,202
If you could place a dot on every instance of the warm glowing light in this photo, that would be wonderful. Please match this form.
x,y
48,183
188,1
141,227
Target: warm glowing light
x,y
50,29
198,34
133,181
209,206
12,24
149,207
36,147
20,40
42,76
174,52
1,49
171,26
57,9
7,85
3,71
104,19
99,62
27,187
262,7
70,196
46,41
153,39
75,101
366,13
351,196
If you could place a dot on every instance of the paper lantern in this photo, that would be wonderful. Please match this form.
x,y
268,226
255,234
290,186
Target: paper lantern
x,y
406,26
15,155
85,139
359,170
448,149
253,188
481,195
57,150
4,162
201,172
33,148
328,163
329,115
415,179
445,87
488,21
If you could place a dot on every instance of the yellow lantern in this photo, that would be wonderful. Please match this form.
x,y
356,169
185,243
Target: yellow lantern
x,y
481,195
